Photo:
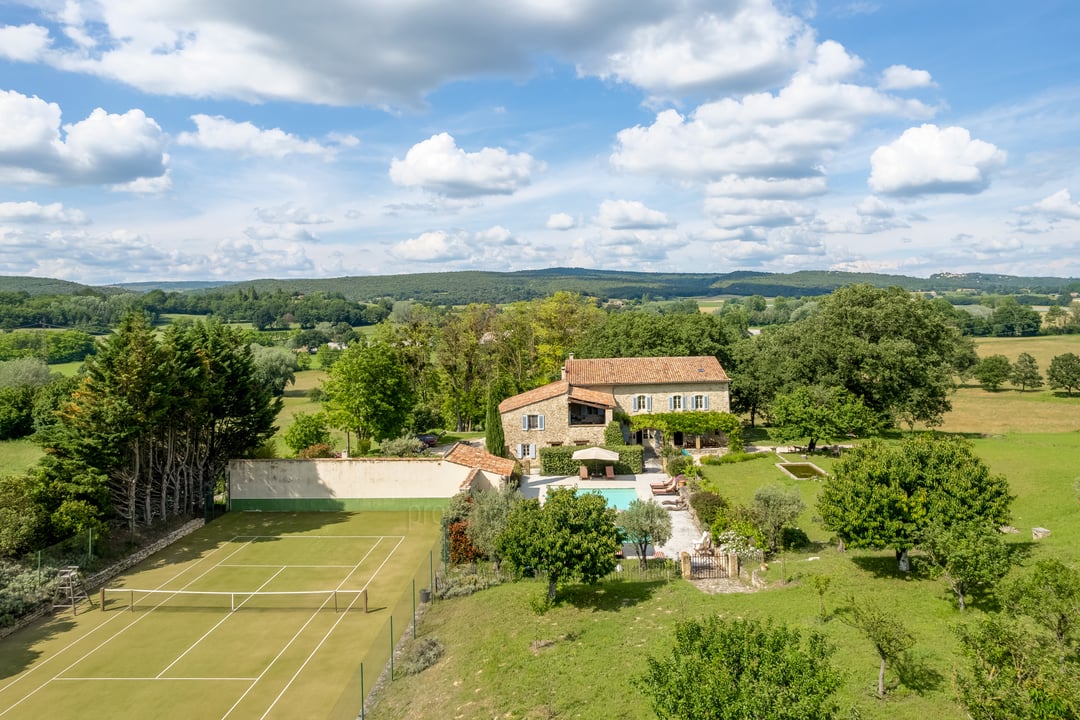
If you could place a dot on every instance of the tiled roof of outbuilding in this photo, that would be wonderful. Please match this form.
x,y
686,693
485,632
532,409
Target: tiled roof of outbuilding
x,y
479,458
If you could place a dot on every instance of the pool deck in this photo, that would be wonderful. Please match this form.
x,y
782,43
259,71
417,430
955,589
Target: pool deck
x,y
684,533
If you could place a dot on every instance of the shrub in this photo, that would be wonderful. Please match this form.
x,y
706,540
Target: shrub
x,y
460,582
21,592
613,435
679,465
407,446
707,506
792,538
461,548
559,460
420,654
318,450
733,457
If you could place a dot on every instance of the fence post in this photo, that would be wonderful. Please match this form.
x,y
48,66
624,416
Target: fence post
x,y
431,573
391,647
363,697
90,547
414,609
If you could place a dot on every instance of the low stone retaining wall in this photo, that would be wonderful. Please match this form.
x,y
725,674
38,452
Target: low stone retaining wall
x,y
101,577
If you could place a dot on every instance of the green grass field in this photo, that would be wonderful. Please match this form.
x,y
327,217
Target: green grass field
x,y
594,644
177,656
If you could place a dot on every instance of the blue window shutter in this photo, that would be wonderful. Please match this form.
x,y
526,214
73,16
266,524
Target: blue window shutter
x,y
706,401
524,422
634,403
671,402
520,450
532,450
684,405
540,422
648,403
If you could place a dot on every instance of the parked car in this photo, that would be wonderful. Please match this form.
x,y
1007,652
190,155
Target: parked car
x,y
429,439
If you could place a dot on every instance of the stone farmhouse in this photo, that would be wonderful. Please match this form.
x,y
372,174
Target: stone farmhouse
x,y
575,409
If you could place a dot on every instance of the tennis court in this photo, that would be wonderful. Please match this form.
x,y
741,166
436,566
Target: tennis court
x,y
257,615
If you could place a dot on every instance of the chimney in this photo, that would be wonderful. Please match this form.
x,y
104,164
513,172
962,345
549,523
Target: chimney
x,y
568,359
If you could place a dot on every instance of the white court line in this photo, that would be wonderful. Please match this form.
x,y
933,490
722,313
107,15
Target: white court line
x,y
150,679
283,566
331,630
216,626
321,537
304,627
114,635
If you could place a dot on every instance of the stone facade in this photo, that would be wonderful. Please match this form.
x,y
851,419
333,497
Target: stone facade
x,y
542,417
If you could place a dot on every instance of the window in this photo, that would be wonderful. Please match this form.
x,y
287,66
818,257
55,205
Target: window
x,y
699,402
675,402
642,403
532,422
526,450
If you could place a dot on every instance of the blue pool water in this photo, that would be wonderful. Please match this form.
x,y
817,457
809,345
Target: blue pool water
x,y
618,498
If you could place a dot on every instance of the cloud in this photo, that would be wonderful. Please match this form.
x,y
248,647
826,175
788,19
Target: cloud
x,y
146,185
789,134
929,159
630,215
281,233
873,206
220,133
392,54
33,213
434,246
104,148
743,47
291,213
496,235
560,221
901,77
23,43
733,213
438,165
740,187
1059,206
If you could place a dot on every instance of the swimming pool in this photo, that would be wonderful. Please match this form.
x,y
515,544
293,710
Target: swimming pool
x,y
618,498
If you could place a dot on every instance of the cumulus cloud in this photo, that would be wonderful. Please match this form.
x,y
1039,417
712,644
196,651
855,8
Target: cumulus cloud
x,y
104,148
386,54
929,159
1059,206
742,47
496,235
221,133
23,43
560,221
438,165
789,134
291,213
433,246
34,213
630,215
901,77
281,233
873,206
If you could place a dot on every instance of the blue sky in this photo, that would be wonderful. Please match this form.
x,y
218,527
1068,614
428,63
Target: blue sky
x,y
229,140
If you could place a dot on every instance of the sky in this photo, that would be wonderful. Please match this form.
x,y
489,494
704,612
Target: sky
x,y
230,140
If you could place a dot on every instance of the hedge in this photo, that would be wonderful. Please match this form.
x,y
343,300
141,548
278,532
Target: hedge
x,y
559,461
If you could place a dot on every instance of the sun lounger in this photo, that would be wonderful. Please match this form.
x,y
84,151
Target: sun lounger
x,y
609,472
661,485
670,490
583,472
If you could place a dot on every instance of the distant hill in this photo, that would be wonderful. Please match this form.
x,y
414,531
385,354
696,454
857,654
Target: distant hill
x,y
461,288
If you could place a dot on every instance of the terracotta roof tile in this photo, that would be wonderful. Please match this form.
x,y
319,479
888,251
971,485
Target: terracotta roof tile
x,y
592,397
635,371
479,458
544,392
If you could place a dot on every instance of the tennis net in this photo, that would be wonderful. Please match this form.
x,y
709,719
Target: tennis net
x,y
137,598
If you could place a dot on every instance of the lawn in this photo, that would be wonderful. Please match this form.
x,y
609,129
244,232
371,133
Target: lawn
x,y
17,456
594,644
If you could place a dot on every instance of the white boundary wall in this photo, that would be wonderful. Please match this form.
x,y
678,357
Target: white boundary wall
x,y
345,478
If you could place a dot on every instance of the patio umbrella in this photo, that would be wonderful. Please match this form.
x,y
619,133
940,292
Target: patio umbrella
x,y
595,453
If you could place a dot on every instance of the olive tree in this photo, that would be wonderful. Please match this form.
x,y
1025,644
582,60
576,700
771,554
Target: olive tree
x,y
645,522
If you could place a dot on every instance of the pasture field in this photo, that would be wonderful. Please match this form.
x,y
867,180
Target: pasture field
x,y
279,656
18,456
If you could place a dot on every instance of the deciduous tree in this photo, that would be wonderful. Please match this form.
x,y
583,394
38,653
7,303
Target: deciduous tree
x,y
368,391
992,372
888,494
1064,372
968,555
820,413
569,537
724,669
1025,373
1049,594
883,629
775,508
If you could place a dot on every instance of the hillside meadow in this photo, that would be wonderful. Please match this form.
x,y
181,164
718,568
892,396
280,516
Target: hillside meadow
x,y
580,659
